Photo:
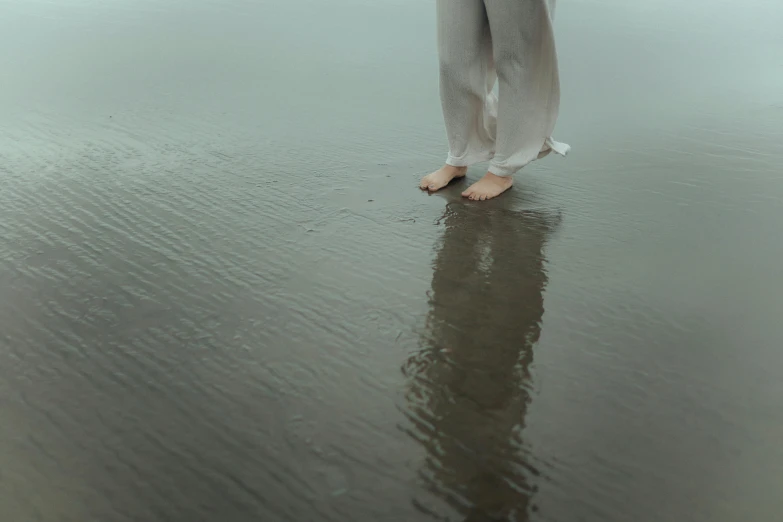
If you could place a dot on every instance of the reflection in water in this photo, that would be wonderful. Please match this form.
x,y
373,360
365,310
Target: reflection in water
x,y
469,386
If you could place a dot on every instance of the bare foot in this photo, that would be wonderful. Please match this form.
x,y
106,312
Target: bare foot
x,y
440,178
488,187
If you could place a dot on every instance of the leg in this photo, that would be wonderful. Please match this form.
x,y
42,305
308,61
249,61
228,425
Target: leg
x,y
529,96
467,76
529,84
529,90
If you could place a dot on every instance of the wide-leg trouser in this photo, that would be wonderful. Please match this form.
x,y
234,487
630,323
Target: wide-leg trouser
x,y
511,42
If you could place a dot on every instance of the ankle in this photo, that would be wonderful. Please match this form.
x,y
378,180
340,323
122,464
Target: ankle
x,y
500,179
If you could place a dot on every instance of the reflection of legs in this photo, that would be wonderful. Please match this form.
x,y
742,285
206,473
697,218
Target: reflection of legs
x,y
470,387
467,76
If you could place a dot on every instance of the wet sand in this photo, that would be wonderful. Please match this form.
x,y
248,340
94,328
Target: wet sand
x,y
222,296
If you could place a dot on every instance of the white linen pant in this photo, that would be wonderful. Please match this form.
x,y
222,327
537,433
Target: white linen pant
x,y
511,42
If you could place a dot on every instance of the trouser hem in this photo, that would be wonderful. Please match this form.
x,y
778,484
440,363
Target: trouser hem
x,y
468,159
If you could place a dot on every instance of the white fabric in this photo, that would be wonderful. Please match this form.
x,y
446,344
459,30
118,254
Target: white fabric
x,y
512,42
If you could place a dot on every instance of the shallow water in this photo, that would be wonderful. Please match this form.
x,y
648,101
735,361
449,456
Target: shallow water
x,y
223,298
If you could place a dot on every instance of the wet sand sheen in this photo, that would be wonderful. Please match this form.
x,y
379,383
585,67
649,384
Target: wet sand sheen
x,y
222,295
